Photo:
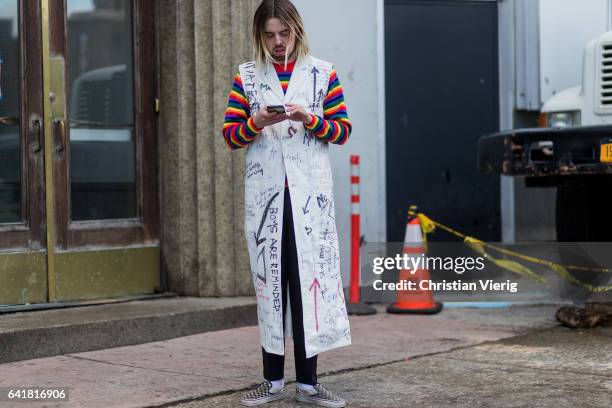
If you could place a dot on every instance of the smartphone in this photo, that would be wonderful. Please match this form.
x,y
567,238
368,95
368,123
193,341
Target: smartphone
x,y
276,109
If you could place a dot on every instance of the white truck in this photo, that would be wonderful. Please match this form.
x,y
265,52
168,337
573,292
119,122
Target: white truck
x,y
572,149
591,103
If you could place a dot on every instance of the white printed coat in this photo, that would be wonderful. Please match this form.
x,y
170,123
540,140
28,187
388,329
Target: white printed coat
x,y
288,147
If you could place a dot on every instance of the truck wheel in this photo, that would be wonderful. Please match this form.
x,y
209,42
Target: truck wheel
x,y
582,217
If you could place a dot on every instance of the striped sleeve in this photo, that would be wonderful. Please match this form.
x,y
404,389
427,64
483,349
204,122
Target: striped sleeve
x,y
238,128
335,126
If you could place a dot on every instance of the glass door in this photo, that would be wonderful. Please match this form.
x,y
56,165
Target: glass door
x,y
104,146
98,169
23,251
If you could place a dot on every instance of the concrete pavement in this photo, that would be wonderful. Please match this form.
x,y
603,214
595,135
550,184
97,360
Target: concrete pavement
x,y
554,368
52,332
461,357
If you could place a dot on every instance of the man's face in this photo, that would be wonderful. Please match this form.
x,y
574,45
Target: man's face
x,y
277,38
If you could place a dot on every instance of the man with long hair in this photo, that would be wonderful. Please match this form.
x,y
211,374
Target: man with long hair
x,y
286,107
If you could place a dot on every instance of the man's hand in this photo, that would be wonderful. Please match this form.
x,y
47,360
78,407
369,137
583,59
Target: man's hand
x,y
264,118
298,113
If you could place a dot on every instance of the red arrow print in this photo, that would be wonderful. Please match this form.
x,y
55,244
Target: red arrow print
x,y
315,283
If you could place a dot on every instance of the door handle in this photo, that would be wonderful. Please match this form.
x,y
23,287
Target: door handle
x,y
9,120
62,129
36,146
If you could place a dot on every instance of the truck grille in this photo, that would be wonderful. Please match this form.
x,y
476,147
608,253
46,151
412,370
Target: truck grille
x,y
605,80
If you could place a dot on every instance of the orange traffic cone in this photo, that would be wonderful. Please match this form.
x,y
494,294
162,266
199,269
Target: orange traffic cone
x,y
415,301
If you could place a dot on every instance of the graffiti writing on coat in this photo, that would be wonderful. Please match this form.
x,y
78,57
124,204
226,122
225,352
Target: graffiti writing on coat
x,y
289,149
272,154
305,207
271,212
309,137
314,71
253,168
333,318
258,239
294,158
325,340
322,201
331,214
260,288
320,96
327,234
275,275
292,131
250,88
262,270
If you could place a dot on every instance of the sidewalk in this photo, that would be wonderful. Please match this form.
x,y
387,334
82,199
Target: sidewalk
x,y
552,368
208,368
53,332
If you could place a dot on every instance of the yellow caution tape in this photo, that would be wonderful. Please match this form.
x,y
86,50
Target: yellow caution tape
x,y
428,226
512,266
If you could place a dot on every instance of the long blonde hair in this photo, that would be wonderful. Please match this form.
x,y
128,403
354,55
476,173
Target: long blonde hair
x,y
286,12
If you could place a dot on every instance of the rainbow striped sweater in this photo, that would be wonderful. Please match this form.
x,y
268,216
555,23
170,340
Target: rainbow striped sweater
x,y
239,129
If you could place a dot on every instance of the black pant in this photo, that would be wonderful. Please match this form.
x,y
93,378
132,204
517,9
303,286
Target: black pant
x,y
274,364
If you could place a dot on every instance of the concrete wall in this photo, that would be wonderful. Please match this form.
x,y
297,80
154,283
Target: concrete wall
x,y
349,34
202,182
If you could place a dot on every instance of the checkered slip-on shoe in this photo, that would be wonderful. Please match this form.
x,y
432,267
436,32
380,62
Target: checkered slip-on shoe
x,y
319,396
261,395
